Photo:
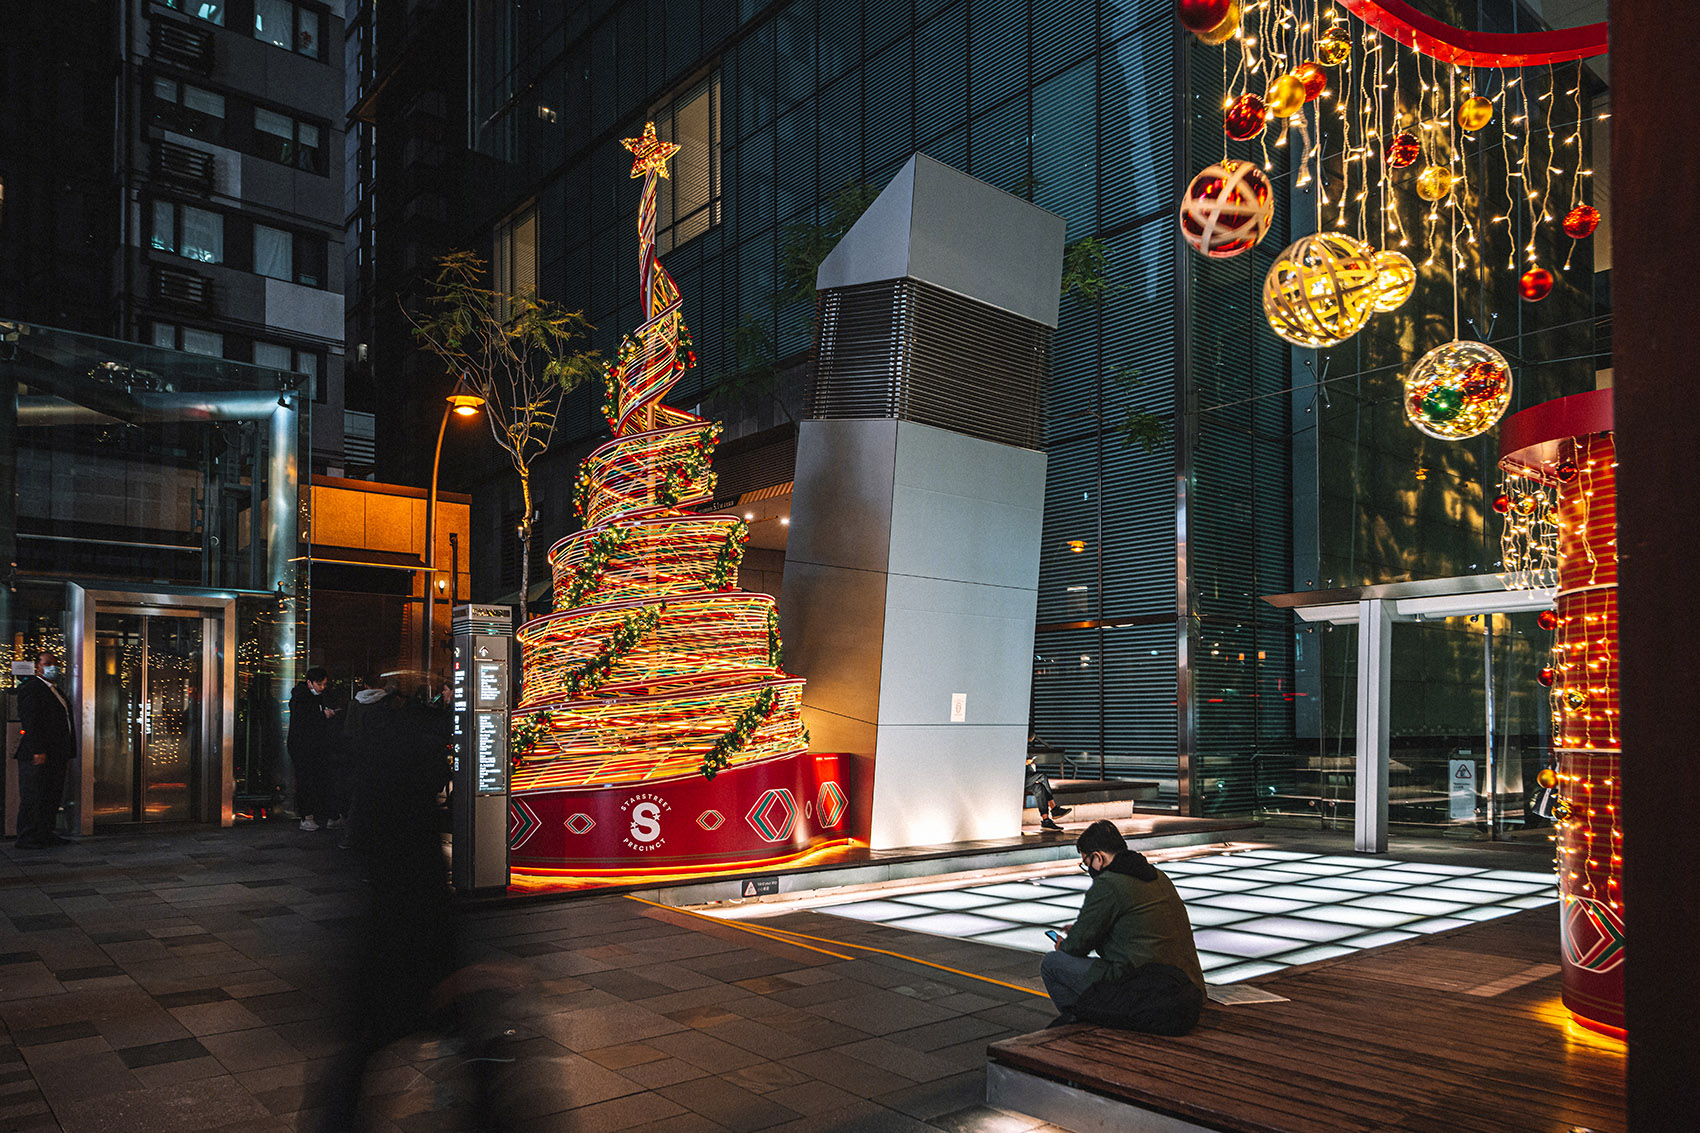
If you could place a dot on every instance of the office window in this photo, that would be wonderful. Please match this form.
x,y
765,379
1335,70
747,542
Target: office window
x,y
190,339
192,233
188,109
513,262
280,138
303,362
289,26
687,204
200,9
289,256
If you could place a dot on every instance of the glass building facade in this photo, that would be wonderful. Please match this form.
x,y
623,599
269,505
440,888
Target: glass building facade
x,y
1262,470
151,519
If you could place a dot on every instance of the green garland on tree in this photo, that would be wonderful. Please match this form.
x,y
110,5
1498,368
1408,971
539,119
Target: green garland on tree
x,y
525,734
774,649
690,470
590,674
589,574
722,575
719,757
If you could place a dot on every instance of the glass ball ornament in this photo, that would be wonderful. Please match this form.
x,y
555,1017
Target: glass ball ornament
x,y
1334,48
1226,209
1403,150
1535,285
1547,778
1203,15
1285,96
1434,183
1245,118
1546,676
1321,290
1575,699
1475,113
1547,619
1457,391
1566,471
1580,222
1502,504
1223,31
1525,504
1313,77
1395,279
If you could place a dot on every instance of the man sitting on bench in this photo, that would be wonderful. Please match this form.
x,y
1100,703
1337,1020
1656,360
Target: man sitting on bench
x,y
1146,977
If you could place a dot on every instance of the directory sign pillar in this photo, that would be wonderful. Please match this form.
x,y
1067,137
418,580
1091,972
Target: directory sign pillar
x,y
483,694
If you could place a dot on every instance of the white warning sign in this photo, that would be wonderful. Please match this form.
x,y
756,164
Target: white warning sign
x,y
1463,789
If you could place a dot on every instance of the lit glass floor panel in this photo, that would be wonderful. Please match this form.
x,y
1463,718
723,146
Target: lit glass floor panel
x,y
1252,912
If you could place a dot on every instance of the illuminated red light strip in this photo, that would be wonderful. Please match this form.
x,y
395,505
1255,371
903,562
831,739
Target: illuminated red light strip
x,y
1442,41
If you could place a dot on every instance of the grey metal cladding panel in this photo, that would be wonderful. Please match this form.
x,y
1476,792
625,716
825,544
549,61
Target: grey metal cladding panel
x,y
979,241
941,226
831,621
944,637
877,245
966,509
947,783
841,498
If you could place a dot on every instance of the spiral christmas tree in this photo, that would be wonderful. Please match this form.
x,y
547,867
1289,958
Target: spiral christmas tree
x,y
655,671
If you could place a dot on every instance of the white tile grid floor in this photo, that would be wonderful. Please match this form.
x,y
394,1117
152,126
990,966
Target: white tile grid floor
x,y
1252,912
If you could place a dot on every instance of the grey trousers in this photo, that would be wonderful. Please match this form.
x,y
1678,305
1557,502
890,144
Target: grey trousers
x,y
1066,978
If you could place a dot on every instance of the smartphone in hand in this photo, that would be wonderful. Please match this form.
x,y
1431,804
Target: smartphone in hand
x,y
1056,937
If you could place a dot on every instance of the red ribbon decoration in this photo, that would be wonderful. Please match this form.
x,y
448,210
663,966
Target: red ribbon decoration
x,y
1442,41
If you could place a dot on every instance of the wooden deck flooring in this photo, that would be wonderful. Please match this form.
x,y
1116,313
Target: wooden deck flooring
x,y
1460,1031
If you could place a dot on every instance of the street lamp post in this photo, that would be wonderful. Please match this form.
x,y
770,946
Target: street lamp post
x,y
464,405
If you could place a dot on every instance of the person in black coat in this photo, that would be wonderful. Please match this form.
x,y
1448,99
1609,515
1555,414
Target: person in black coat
x,y
45,749
311,743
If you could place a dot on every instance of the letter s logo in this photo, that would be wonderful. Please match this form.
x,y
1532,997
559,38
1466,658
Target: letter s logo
x,y
645,824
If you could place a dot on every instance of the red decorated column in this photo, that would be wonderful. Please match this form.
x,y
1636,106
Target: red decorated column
x,y
1566,447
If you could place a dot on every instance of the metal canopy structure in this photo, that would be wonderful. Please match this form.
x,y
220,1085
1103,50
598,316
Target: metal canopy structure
x,y
1374,609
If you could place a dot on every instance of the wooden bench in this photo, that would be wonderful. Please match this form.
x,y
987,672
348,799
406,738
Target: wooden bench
x,y
1092,799
1460,1030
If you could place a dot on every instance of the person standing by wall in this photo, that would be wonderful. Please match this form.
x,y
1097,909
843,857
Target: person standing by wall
x,y
311,738
45,749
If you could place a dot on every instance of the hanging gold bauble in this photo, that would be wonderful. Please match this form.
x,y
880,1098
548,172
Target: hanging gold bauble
x,y
1223,31
1547,778
1334,48
1434,183
1286,96
1475,113
1395,279
1321,290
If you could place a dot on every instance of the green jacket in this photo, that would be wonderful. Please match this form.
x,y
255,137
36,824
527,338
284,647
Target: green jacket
x,y
1132,916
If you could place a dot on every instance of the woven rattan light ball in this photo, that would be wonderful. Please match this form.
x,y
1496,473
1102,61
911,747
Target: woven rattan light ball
x,y
1322,290
1227,209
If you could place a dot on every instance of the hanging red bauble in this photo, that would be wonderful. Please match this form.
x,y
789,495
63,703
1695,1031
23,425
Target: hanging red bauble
x,y
1403,150
1245,118
1546,676
1547,619
1313,77
1535,285
1502,503
1566,471
1202,15
1580,222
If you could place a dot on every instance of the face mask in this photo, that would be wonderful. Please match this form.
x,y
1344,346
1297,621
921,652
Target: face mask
x,y
51,672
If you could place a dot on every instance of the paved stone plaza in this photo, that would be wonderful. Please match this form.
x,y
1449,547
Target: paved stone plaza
x,y
180,981
186,980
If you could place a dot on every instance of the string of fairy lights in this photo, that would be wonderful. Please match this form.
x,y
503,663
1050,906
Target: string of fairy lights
x,y
655,665
1391,151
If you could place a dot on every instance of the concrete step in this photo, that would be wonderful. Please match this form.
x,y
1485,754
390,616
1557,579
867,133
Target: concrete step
x,y
1080,814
